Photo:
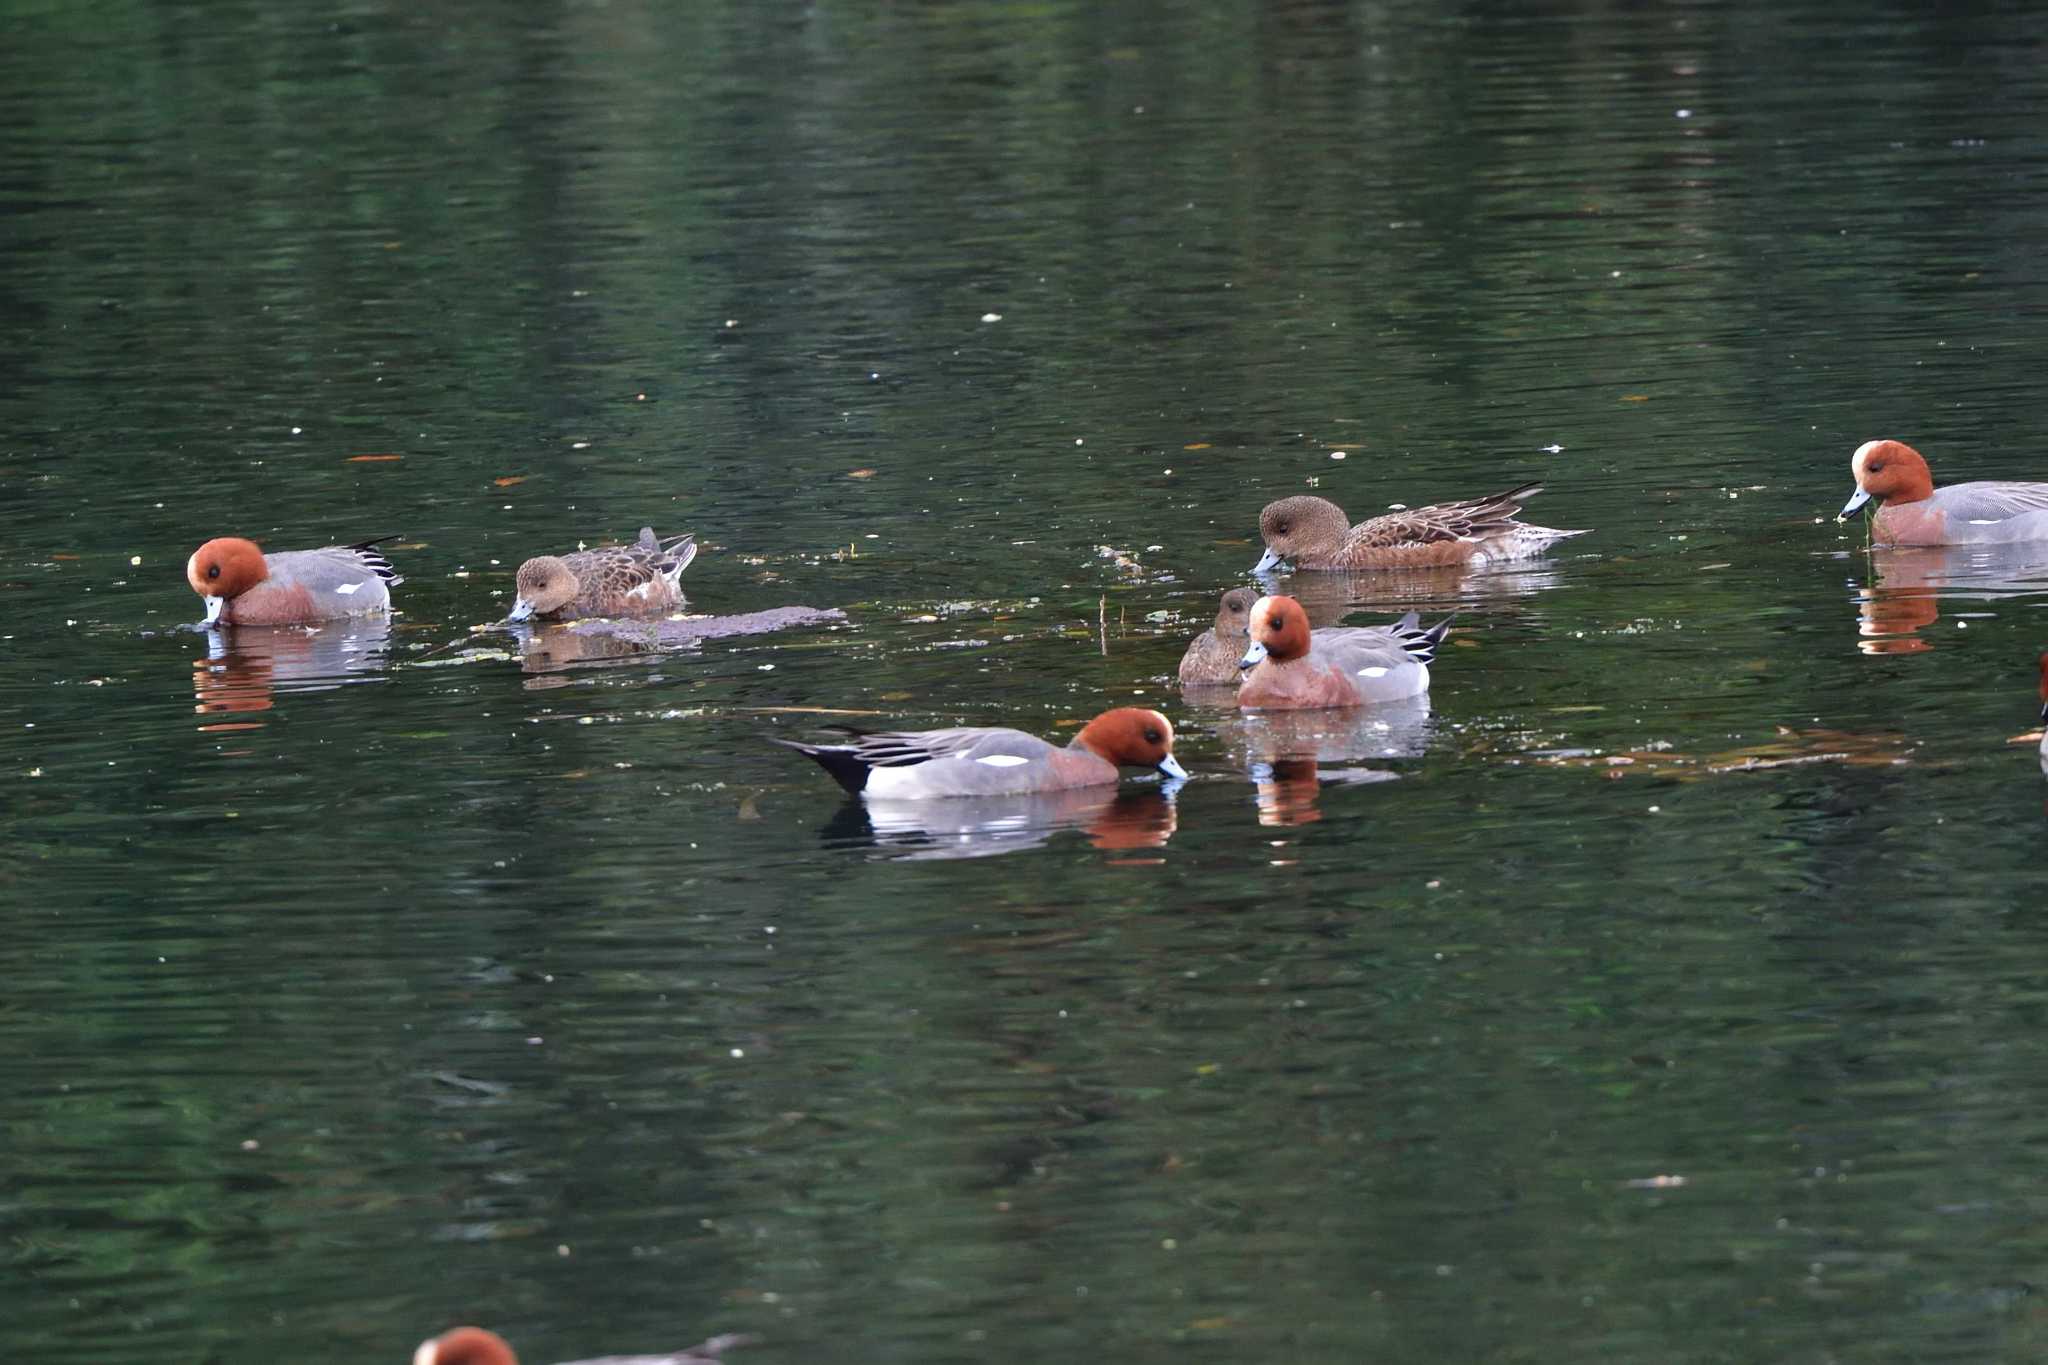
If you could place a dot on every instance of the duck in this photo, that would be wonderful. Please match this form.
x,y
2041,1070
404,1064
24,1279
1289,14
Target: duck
x,y
241,585
612,580
990,761
1313,533
2044,713
480,1346
1912,511
1289,666
1211,660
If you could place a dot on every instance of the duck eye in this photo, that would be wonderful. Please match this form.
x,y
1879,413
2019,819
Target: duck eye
x,y
213,571
1152,736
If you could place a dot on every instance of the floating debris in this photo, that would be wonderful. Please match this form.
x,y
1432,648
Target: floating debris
x,y
469,656
1792,749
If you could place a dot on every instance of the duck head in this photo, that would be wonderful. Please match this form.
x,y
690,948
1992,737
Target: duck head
x,y
1279,631
1890,471
545,584
1131,736
223,569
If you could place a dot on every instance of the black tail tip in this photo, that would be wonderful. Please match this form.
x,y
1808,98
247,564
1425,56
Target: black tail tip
x,y
848,769
1423,647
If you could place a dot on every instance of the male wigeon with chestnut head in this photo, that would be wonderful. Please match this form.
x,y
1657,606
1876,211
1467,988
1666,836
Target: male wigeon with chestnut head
x,y
479,1346
244,586
1289,666
987,761
1313,533
1912,511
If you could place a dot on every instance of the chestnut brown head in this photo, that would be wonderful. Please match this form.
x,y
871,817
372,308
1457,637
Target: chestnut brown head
x,y
1279,630
1890,471
226,567
465,1346
1134,737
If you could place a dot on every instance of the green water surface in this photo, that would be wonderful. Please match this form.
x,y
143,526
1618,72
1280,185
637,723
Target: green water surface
x,y
1669,989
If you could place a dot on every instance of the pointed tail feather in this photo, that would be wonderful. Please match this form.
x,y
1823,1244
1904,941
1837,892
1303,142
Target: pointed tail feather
x,y
682,549
374,560
676,551
1421,645
847,767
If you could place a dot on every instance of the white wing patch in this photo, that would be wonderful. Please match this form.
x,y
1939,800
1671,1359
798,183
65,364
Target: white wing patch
x,y
1374,672
346,587
1983,521
1002,760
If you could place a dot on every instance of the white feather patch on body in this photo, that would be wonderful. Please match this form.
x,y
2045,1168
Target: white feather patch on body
x,y
1002,760
346,587
1374,672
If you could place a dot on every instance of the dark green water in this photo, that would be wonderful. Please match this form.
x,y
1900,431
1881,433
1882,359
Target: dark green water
x,y
335,1014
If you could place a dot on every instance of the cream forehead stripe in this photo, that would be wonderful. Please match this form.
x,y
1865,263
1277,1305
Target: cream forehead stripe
x,y
1862,453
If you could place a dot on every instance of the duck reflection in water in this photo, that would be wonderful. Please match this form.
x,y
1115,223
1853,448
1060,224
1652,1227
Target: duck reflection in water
x,y
1292,755
1131,819
246,666
1329,598
1907,585
607,642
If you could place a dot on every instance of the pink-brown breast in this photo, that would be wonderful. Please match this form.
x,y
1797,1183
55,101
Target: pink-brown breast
x,y
1072,767
1296,684
1910,523
272,603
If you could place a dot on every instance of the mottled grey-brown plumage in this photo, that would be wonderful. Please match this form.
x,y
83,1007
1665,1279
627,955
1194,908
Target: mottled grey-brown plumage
x,y
1313,533
611,580
1211,659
